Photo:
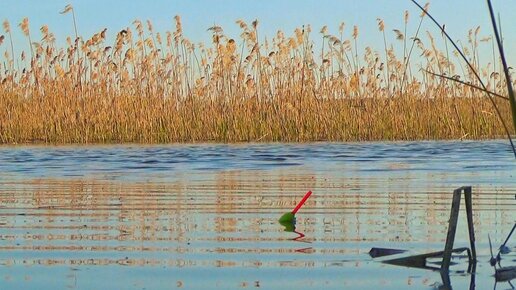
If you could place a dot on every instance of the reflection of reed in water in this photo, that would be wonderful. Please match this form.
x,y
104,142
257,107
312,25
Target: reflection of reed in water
x,y
291,227
227,214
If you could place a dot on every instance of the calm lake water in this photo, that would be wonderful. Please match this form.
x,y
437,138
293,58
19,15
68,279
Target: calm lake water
x,y
205,216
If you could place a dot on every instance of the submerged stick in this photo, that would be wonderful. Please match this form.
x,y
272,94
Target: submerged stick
x,y
493,260
508,237
452,229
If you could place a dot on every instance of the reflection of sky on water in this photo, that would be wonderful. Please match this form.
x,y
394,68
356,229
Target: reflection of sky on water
x,y
161,217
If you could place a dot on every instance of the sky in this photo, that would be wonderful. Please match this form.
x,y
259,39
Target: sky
x,y
197,15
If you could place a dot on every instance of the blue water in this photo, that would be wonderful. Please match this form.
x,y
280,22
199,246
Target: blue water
x,y
204,216
162,162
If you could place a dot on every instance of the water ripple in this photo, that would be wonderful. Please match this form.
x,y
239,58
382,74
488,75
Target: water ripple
x,y
143,162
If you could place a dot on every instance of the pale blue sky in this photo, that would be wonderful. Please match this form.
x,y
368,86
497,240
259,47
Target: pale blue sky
x,y
197,15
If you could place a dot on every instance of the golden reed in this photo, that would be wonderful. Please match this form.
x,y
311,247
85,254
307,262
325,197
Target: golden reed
x,y
153,87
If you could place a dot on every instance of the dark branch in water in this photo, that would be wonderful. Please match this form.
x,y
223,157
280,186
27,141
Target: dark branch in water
x,y
466,84
508,237
493,260
475,73
510,234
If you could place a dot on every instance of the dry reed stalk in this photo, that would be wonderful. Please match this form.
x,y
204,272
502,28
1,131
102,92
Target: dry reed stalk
x,y
474,70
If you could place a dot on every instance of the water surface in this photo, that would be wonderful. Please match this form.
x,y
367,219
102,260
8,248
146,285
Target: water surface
x,y
205,216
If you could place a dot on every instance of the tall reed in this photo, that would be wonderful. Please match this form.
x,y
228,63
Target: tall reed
x,y
153,87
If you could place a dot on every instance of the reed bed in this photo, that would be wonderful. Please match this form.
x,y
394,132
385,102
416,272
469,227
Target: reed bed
x,y
154,87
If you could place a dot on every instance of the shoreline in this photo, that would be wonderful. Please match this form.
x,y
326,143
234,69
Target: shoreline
x,y
207,142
